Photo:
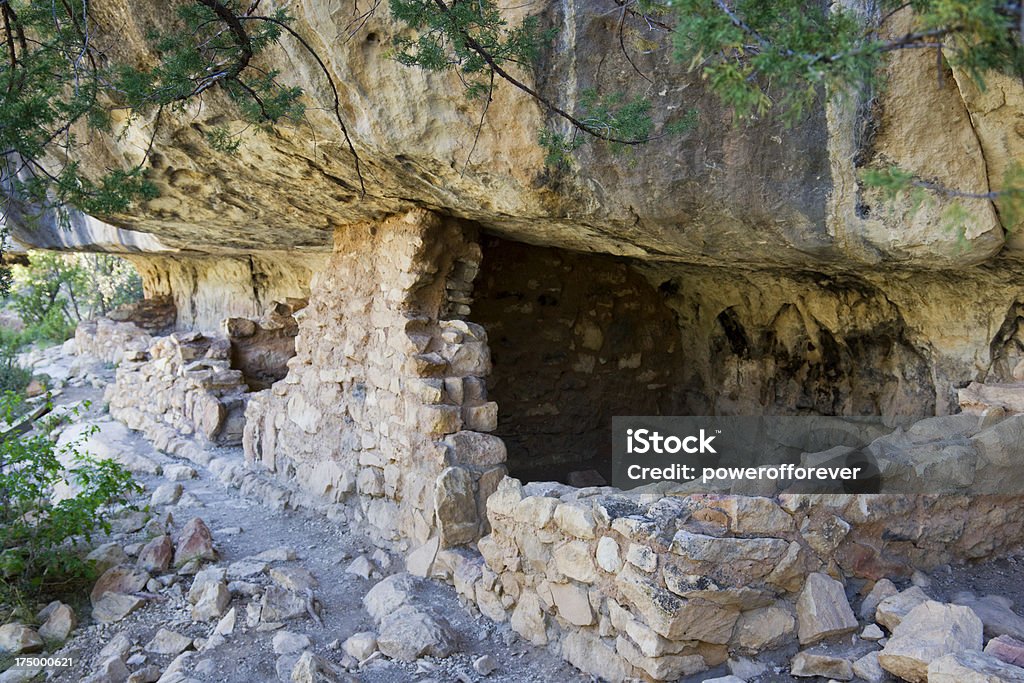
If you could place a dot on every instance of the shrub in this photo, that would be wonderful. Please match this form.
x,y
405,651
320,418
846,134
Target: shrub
x,y
56,291
40,533
13,377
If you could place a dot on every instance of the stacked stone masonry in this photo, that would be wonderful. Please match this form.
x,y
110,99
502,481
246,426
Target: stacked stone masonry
x,y
188,384
643,586
385,402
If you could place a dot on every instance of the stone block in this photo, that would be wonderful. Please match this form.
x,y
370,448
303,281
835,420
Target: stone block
x,y
822,610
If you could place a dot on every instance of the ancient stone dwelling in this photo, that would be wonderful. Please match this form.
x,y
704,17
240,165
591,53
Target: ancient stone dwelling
x,y
436,364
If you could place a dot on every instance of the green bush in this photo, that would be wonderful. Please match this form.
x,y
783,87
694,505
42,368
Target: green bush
x,y
39,534
13,377
56,291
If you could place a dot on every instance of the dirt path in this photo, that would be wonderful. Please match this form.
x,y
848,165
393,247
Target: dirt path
x,y
243,529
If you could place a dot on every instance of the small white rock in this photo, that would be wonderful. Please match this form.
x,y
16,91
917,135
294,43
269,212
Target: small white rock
x,y
485,665
361,567
361,645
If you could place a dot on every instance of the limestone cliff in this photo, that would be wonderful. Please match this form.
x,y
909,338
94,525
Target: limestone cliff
x,y
759,238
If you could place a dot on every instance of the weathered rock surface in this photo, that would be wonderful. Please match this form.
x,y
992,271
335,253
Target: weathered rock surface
x,y
167,642
822,610
410,633
194,542
1006,648
973,667
16,638
807,664
156,555
360,645
928,632
60,621
891,610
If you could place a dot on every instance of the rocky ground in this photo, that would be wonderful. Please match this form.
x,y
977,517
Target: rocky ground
x,y
175,635
203,584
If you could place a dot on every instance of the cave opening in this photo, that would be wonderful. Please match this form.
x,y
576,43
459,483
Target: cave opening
x,y
575,340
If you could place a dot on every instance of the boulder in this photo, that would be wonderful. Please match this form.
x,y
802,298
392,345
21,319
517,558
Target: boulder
x,y
996,614
166,494
883,588
156,555
930,631
18,638
761,629
194,542
115,607
309,668
808,664
281,604
973,667
360,645
60,621
286,642
485,665
110,670
1006,648
361,567
120,579
167,642
421,560
409,633
106,556
390,594
892,609
868,669
226,625
212,601
202,579
295,579
822,610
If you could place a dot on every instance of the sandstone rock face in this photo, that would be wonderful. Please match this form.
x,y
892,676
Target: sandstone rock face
x,y
795,188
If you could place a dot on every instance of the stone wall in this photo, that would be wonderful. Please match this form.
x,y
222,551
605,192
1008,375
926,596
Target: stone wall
x,y
110,341
385,404
184,381
644,586
575,339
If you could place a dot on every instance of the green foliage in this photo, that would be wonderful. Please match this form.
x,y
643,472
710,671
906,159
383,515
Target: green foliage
x,y
57,86
558,147
55,291
779,56
474,40
470,37
616,116
13,377
40,532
